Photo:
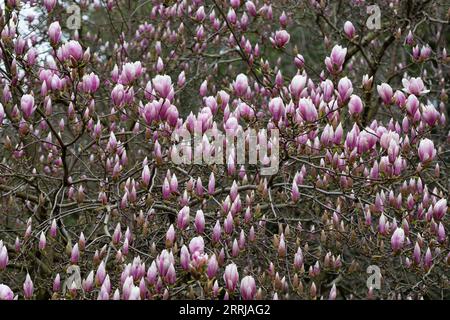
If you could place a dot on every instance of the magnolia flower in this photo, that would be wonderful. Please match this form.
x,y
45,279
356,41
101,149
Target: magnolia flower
x,y
349,29
27,105
397,239
240,85
54,32
28,287
162,85
6,293
385,92
231,277
248,288
426,150
414,86
355,105
280,39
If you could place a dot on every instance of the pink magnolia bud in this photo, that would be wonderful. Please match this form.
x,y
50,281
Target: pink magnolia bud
x,y
57,283
203,88
345,89
88,284
299,61
248,288
211,184
282,246
183,218
199,187
199,222
174,183
6,292
3,256
251,8
440,209
49,5
355,105
397,239
170,236
298,84
100,275
428,260
349,29
416,254
240,85
75,254
231,277
117,234
54,33
74,50
426,150
166,189
213,266
276,108
82,241
146,175
53,229
196,244
385,92
332,295
171,276
429,114
217,230
307,110
2,114
228,223
295,194
28,287
441,233
27,105
42,241
184,257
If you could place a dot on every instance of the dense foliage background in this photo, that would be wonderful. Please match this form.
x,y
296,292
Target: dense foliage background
x,y
88,187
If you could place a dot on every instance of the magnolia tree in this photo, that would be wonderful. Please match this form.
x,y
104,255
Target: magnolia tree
x,y
215,149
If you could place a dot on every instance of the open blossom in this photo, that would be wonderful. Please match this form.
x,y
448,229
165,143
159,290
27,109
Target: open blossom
x,y
426,150
248,288
414,86
130,72
336,60
162,85
281,38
